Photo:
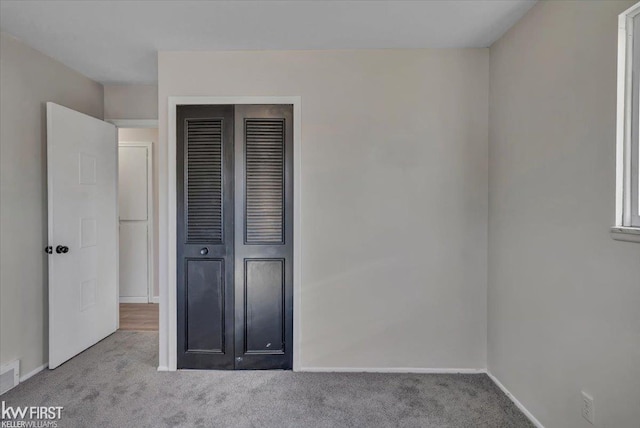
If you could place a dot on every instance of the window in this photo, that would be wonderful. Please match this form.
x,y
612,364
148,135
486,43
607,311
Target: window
x,y
628,127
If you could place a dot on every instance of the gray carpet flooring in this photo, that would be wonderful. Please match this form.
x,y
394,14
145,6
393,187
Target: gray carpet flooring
x,y
115,384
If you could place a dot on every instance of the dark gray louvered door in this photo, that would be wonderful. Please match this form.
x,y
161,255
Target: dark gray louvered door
x,y
264,237
235,237
205,237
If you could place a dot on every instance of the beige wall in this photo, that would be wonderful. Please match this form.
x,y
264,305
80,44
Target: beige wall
x,y
564,298
148,135
394,195
130,102
28,79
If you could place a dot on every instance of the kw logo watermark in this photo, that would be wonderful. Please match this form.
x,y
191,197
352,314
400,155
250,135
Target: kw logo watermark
x,y
30,416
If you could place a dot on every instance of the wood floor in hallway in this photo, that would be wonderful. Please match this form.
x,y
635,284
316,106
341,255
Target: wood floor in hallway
x,y
139,316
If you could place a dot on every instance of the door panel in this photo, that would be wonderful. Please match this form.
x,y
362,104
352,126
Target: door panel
x,y
264,290
132,179
205,306
264,180
205,236
264,236
82,203
134,262
204,177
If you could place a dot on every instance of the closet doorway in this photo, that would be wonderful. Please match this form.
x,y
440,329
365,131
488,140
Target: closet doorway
x,y
234,236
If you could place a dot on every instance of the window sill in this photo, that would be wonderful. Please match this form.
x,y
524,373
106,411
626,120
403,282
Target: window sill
x,y
629,234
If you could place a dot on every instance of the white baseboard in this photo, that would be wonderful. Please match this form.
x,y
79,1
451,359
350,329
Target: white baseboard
x,y
33,372
389,370
134,299
518,404
163,368
155,299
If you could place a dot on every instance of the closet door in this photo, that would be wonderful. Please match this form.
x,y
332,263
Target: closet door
x,y
264,237
205,237
133,204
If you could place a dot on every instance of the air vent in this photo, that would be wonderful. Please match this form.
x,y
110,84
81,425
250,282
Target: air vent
x,y
203,191
264,145
9,376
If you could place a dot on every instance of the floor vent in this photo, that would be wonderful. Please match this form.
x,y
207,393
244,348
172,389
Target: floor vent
x,y
9,376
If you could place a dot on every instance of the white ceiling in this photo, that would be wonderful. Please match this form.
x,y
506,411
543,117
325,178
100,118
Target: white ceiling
x,y
118,41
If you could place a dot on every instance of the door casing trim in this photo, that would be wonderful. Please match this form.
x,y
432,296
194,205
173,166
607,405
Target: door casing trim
x,y
168,322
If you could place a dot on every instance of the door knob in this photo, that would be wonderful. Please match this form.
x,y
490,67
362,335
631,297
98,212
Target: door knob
x,y
61,249
204,251
48,250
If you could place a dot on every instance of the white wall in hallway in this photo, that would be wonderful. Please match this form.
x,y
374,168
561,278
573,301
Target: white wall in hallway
x,y
564,298
28,79
394,185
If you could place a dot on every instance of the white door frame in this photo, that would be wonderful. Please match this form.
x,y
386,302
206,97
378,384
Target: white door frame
x,y
150,213
168,284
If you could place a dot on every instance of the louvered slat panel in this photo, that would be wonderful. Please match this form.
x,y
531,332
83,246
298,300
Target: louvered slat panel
x,y
204,180
264,212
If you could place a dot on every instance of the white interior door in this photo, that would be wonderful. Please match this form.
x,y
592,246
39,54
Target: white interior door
x,y
83,231
135,246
